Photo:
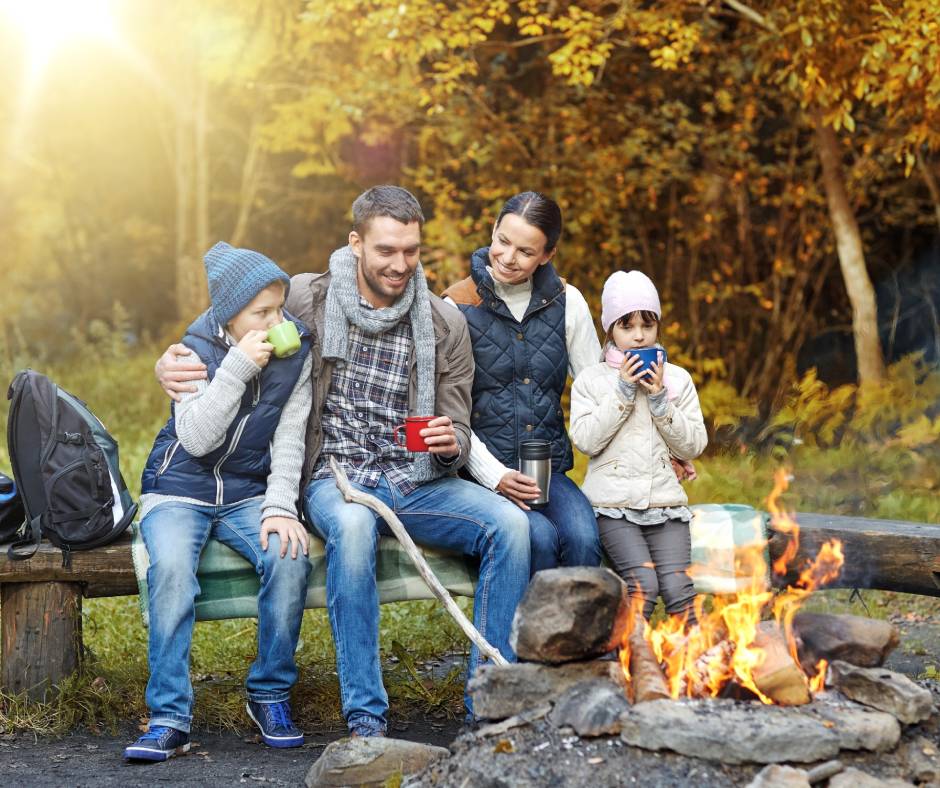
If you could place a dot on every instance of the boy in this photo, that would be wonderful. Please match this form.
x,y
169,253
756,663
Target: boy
x,y
227,465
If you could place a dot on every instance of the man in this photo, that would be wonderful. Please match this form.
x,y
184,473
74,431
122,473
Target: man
x,y
383,347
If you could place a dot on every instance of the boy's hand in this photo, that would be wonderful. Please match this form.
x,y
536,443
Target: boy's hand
x,y
655,383
173,373
255,345
289,531
441,437
628,368
518,488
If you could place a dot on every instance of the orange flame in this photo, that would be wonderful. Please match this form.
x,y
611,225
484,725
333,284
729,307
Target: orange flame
x,y
700,661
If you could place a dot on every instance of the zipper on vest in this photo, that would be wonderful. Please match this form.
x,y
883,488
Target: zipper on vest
x,y
217,470
168,457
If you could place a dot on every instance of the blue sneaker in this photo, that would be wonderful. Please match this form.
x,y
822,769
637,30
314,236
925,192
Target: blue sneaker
x,y
158,744
274,721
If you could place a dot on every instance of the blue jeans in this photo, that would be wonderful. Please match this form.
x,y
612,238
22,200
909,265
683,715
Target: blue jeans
x,y
564,531
175,534
449,513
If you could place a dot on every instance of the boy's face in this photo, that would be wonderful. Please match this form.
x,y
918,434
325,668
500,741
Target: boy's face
x,y
262,312
388,253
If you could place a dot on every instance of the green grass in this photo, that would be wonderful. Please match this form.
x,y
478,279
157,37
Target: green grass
x,y
120,388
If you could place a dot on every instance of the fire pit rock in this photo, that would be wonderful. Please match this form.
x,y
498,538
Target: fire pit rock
x,y
369,762
734,732
592,708
572,613
883,689
866,642
501,691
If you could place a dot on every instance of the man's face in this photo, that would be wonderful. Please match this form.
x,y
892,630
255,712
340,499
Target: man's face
x,y
388,253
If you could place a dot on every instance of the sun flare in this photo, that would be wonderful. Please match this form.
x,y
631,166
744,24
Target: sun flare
x,y
46,25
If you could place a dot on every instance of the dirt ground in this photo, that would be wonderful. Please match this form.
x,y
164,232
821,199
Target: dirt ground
x,y
85,759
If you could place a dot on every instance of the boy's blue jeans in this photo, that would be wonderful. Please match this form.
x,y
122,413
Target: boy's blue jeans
x,y
564,531
448,513
175,534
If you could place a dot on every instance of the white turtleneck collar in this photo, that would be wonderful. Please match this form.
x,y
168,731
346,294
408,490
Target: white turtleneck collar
x,y
516,297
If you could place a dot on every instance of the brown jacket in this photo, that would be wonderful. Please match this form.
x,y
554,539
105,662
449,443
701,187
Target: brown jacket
x,y
453,369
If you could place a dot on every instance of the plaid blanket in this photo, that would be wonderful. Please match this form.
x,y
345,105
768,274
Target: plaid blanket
x,y
229,585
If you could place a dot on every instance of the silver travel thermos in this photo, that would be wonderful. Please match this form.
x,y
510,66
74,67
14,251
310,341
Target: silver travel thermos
x,y
535,461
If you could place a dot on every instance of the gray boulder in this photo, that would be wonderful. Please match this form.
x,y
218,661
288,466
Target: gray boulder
x,y
572,613
369,761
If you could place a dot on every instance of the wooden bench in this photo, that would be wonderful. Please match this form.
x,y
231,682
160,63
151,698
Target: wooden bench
x,y
40,600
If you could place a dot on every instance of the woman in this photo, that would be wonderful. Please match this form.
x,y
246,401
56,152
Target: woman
x,y
529,330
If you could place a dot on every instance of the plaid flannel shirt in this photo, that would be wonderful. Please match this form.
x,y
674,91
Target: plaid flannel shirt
x,y
368,398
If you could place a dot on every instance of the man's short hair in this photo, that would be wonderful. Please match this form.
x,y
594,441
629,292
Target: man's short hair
x,y
393,201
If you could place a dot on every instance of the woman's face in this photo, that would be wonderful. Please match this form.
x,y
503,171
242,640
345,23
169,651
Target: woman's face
x,y
518,248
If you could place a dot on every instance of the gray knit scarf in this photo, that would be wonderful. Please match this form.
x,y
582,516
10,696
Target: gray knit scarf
x,y
343,308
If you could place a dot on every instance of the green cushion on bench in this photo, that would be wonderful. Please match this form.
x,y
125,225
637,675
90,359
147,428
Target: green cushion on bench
x,y
229,585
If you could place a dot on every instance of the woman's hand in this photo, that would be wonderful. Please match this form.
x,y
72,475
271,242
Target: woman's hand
x,y
653,383
174,375
255,345
290,533
518,488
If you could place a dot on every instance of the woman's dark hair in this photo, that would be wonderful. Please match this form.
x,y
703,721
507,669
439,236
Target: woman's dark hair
x,y
539,211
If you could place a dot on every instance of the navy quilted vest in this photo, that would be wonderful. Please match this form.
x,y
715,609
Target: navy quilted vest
x,y
521,366
239,468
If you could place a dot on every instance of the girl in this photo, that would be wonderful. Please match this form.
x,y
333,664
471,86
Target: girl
x,y
629,421
529,329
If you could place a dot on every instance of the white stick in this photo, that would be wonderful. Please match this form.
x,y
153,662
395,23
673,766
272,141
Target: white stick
x,y
353,495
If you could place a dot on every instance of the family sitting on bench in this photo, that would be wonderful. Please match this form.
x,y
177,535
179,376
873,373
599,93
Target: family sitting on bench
x,y
254,427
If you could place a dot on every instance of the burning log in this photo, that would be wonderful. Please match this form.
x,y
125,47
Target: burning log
x,y
646,677
708,670
778,677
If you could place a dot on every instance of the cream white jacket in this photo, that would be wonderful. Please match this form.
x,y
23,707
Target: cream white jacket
x,y
629,447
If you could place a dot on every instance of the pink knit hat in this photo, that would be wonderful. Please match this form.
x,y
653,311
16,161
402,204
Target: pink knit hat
x,y
626,292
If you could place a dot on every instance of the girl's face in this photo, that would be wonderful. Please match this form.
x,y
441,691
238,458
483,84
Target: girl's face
x,y
264,311
634,332
517,250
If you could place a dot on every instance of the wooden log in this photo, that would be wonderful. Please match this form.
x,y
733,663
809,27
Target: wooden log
x,y
646,677
352,495
104,571
40,636
778,676
881,554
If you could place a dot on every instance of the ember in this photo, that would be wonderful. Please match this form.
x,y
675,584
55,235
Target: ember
x,y
732,644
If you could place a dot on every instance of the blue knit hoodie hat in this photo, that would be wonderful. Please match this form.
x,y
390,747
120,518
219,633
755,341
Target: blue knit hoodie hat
x,y
236,276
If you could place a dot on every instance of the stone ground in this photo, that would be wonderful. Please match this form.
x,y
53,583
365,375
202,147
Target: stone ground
x,y
540,756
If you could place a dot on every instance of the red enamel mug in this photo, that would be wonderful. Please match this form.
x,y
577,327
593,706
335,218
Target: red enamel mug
x,y
412,427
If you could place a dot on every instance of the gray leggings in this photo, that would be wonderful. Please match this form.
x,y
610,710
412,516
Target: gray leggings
x,y
653,560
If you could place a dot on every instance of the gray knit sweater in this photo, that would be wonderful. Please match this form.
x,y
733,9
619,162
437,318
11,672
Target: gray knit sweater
x,y
204,416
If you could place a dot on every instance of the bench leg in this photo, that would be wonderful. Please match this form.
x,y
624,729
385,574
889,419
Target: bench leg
x,y
40,635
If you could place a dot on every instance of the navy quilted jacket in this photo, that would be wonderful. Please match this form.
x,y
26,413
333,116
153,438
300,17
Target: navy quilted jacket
x,y
521,366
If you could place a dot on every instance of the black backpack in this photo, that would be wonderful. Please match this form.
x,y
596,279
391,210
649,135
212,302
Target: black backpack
x,y
66,468
11,509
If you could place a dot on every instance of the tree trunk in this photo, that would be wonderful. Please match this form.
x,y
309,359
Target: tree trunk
x,y
851,257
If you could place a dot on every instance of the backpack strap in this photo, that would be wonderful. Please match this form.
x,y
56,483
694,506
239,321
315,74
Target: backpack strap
x,y
15,553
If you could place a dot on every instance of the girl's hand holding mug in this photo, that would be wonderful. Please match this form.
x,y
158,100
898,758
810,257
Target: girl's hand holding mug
x,y
653,380
255,345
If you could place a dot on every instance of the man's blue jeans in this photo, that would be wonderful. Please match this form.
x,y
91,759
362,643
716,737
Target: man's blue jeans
x,y
175,534
448,513
564,531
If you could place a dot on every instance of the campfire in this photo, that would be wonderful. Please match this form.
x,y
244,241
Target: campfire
x,y
732,650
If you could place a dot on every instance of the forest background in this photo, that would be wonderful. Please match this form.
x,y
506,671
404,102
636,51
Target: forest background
x,y
774,167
